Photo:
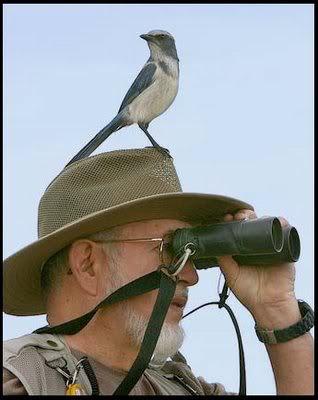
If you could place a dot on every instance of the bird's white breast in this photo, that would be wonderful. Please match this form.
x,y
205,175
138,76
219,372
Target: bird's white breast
x,y
158,97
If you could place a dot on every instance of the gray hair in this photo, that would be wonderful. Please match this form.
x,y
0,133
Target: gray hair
x,y
57,265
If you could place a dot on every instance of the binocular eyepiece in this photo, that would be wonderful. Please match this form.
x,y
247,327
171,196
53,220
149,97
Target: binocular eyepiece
x,y
261,241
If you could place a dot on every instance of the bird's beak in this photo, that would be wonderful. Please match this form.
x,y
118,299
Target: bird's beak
x,y
146,37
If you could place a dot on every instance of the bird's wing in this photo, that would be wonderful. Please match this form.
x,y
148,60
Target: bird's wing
x,y
143,80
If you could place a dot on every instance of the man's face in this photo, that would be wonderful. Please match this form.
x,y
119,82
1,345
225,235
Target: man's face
x,y
138,259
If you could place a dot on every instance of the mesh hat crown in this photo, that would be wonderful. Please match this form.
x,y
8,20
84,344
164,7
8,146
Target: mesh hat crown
x,y
105,181
98,193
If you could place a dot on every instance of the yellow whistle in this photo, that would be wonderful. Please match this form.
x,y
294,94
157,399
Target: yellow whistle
x,y
74,389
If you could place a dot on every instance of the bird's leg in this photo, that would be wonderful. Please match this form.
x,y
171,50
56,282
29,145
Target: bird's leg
x,y
152,140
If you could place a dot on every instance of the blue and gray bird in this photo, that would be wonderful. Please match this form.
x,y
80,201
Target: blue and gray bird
x,y
152,92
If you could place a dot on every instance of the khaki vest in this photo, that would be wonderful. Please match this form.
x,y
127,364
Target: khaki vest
x,y
32,359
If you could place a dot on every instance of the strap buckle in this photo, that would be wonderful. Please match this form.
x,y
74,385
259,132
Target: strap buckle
x,y
224,294
178,266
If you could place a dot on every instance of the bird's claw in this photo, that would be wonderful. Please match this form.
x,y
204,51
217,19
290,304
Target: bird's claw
x,y
162,150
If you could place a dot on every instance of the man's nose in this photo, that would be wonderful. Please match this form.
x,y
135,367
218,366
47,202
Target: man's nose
x,y
189,274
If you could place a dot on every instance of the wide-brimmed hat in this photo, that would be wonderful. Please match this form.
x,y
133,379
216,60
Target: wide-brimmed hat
x,y
98,193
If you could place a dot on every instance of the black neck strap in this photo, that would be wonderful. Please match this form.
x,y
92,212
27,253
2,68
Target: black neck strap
x,y
157,279
139,286
166,291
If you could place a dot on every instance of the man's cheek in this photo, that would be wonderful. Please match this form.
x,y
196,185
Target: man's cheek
x,y
146,302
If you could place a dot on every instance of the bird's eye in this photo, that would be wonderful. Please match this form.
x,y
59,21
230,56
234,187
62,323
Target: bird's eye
x,y
161,36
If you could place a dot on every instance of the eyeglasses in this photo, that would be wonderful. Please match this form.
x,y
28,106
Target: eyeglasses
x,y
165,256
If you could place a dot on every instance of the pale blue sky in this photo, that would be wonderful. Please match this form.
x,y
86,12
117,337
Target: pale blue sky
x,y
241,125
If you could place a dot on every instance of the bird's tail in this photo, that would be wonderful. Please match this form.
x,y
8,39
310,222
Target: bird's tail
x,y
115,124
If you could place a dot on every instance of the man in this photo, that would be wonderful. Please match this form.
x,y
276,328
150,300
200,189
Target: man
x,y
102,223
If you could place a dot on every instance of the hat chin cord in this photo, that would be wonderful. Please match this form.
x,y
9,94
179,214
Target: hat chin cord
x,y
165,279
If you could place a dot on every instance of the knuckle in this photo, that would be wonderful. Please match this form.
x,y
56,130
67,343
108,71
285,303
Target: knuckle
x,y
242,214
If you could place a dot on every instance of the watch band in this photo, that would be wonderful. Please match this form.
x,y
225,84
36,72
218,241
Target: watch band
x,y
283,335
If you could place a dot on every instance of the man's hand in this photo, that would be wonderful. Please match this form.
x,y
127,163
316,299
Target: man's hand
x,y
263,290
268,293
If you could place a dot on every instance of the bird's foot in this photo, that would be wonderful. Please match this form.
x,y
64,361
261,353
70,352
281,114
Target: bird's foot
x,y
162,150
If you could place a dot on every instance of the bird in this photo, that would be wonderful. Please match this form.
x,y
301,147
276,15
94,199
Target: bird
x,y
152,92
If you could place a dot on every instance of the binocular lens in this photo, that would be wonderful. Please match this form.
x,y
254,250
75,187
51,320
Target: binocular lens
x,y
293,245
277,234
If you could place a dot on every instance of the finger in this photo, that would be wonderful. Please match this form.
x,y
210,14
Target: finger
x,y
245,214
230,270
228,217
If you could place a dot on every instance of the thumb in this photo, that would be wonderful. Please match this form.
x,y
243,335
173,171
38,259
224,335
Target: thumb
x,y
230,270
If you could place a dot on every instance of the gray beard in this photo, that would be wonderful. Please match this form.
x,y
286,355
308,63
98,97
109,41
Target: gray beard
x,y
171,335
169,342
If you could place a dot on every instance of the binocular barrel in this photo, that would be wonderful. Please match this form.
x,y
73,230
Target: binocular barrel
x,y
289,253
251,242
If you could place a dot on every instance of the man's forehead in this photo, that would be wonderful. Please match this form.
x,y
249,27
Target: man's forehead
x,y
151,228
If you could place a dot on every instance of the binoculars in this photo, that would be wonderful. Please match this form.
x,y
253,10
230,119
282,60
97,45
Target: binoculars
x,y
261,241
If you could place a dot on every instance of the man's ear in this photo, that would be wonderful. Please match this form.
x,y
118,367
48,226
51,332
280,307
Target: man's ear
x,y
84,261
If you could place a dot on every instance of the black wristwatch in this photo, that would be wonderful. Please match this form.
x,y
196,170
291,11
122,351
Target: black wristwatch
x,y
279,336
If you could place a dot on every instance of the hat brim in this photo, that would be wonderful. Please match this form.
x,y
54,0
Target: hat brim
x,y
22,270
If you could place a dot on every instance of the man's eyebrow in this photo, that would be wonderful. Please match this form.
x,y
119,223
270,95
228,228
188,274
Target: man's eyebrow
x,y
169,232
